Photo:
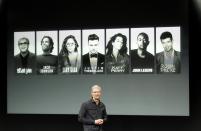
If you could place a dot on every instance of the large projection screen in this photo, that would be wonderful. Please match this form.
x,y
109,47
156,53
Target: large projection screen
x,y
164,94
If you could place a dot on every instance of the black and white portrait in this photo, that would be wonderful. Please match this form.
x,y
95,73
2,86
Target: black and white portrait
x,y
93,51
117,51
168,50
47,51
70,51
24,52
142,50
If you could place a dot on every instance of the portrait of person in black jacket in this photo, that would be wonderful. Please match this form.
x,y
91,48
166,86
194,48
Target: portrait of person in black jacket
x,y
141,59
168,61
93,62
93,113
25,60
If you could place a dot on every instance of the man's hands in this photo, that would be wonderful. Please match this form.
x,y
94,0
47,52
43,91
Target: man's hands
x,y
99,121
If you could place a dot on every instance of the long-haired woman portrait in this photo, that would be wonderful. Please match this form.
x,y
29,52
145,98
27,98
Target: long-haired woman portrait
x,y
69,57
117,59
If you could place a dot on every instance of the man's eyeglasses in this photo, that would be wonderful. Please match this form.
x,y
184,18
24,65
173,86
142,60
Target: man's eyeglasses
x,y
23,43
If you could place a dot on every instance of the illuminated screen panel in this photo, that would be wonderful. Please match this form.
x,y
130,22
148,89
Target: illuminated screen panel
x,y
44,84
141,63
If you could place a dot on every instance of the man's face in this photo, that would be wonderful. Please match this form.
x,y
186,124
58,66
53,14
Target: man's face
x,y
93,46
142,42
70,45
23,45
96,93
167,44
45,44
118,43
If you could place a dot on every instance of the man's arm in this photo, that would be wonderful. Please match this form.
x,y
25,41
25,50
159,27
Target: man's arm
x,y
104,115
104,118
81,116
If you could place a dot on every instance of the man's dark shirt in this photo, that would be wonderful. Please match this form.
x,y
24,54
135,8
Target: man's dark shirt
x,y
47,60
137,62
89,112
25,62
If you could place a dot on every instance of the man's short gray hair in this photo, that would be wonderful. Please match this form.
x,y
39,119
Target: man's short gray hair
x,y
95,86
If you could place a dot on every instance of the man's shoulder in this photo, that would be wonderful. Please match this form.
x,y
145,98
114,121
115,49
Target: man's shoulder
x,y
177,55
133,51
102,104
85,55
177,52
17,56
85,58
101,56
149,54
160,53
85,103
54,56
31,54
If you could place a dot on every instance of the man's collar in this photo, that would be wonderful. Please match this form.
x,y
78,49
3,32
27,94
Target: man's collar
x,y
92,100
24,54
169,54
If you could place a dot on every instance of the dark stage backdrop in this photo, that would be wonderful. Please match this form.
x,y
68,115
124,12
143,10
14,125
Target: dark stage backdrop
x,y
32,14
129,94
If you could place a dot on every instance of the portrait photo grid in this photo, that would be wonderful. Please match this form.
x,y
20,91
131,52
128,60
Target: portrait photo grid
x,y
136,50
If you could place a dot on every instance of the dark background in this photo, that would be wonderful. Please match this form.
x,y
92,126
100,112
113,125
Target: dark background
x,y
40,14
